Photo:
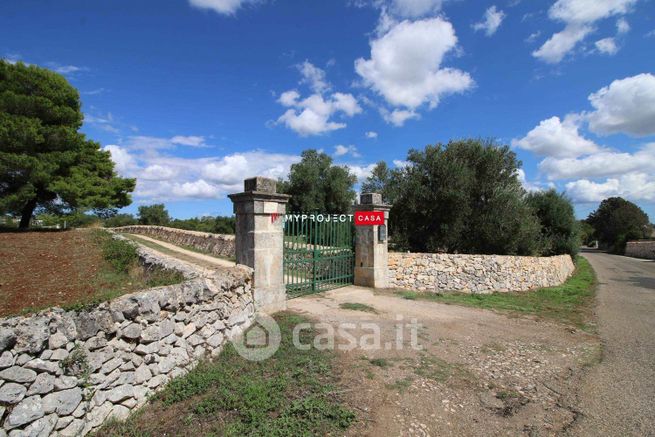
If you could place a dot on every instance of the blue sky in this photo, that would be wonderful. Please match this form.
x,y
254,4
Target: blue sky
x,y
192,96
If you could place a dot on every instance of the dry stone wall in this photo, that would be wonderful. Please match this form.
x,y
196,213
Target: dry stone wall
x,y
64,373
476,273
217,244
640,249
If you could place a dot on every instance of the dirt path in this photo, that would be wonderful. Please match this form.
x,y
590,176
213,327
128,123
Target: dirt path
x,y
617,396
196,258
477,373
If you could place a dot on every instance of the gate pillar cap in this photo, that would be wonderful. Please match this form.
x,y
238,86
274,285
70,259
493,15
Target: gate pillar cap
x,y
370,199
260,184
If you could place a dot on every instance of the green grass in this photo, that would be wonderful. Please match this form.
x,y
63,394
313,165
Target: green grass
x,y
379,362
295,392
357,307
568,303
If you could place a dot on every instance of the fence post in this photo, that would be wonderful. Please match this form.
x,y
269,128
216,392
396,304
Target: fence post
x,y
259,239
371,253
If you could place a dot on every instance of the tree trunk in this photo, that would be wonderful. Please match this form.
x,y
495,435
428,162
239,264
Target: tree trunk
x,y
26,213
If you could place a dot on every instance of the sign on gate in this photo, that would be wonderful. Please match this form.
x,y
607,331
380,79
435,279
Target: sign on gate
x,y
369,218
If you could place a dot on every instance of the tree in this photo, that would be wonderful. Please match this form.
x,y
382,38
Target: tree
x,y
119,220
316,185
154,215
559,228
587,232
463,197
382,180
45,162
617,221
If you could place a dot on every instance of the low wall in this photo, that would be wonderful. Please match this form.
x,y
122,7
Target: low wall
x,y
640,249
217,244
66,372
476,273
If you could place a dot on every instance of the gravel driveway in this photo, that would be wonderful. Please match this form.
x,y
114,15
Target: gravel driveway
x,y
617,397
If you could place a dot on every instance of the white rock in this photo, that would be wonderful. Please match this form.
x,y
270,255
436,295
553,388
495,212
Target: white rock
x,y
120,393
119,412
57,340
43,384
65,382
29,410
44,366
6,360
62,402
142,374
59,354
12,393
73,430
41,428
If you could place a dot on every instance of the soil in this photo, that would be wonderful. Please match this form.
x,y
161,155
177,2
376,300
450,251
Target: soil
x,y
478,373
43,269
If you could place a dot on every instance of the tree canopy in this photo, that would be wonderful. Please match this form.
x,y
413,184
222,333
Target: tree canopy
x,y
616,221
559,228
464,197
45,162
156,214
316,185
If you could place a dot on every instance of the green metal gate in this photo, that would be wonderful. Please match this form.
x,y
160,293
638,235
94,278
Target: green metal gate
x,y
318,253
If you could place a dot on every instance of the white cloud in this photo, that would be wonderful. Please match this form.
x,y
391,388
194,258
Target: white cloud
x,y
199,189
602,164
533,36
633,186
626,105
622,26
341,150
65,69
414,8
157,173
579,17
399,163
191,140
361,171
371,134
224,7
561,43
398,117
530,186
125,163
490,22
405,66
557,138
313,76
607,46
102,122
163,177
312,115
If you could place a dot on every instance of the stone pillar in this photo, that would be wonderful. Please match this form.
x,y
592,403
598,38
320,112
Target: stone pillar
x,y
371,254
259,239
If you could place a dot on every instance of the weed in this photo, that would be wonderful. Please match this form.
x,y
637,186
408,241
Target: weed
x,y
401,385
379,362
358,307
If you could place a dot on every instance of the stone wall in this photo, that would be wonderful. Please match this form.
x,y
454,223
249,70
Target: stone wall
x,y
65,372
476,273
640,249
217,244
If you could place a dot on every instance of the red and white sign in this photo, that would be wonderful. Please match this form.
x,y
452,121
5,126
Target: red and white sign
x,y
369,218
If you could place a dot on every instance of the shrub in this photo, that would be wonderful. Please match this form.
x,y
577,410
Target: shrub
x,y
559,228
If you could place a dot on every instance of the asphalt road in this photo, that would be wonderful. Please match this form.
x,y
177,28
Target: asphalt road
x,y
617,397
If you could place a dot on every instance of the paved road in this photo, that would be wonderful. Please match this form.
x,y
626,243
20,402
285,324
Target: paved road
x,y
618,395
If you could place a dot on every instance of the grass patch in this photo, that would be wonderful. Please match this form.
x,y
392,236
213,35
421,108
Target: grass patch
x,y
358,307
379,362
295,392
568,303
401,385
